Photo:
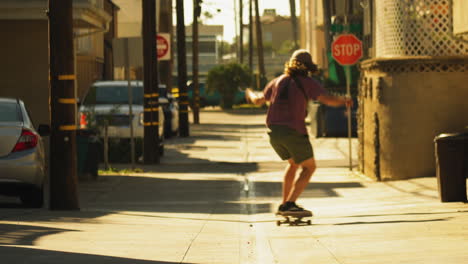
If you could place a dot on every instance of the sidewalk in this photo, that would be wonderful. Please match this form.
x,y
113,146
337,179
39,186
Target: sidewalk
x,y
212,198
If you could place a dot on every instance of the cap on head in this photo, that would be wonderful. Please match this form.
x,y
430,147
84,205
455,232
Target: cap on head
x,y
304,57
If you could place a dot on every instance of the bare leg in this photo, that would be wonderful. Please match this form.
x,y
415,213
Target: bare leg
x,y
288,181
308,168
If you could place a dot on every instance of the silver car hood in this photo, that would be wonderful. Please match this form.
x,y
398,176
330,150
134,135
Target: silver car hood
x,y
9,135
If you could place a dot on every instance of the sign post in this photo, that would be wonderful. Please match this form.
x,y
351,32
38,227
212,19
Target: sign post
x,y
347,50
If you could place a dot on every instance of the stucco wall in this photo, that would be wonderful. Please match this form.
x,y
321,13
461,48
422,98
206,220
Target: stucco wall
x,y
414,101
25,70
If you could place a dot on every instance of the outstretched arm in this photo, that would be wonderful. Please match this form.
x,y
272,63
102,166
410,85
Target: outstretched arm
x,y
255,98
335,101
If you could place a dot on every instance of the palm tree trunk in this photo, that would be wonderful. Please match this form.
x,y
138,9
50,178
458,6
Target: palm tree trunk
x,y
182,71
165,26
196,91
292,6
326,27
241,31
250,37
261,63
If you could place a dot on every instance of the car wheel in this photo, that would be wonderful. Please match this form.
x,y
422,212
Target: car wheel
x,y
33,197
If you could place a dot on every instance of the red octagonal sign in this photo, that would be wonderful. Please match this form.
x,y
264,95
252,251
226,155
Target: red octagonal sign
x,y
347,49
162,46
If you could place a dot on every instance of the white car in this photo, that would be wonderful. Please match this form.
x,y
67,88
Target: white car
x,y
22,155
107,101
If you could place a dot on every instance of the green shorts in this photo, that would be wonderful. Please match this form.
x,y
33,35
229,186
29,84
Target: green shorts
x,y
288,143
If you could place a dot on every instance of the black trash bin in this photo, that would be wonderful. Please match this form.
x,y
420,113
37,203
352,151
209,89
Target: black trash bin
x,y
88,149
452,166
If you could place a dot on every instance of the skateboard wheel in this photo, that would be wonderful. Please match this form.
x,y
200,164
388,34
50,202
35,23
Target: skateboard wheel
x,y
278,223
309,222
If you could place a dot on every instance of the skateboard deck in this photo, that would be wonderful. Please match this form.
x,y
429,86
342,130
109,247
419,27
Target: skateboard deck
x,y
294,219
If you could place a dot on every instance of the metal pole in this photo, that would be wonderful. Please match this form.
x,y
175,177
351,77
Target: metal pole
x,y
130,103
348,109
347,69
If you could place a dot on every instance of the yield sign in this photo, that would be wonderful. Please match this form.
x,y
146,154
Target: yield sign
x,y
347,49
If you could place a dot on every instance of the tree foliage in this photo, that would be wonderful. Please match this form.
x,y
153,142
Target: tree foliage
x,y
227,79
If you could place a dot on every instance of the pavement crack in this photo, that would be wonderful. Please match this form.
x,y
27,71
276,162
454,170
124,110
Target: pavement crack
x,y
196,236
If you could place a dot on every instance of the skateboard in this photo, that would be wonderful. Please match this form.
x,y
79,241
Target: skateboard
x,y
294,219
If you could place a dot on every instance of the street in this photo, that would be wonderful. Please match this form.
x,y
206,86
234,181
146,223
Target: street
x,y
212,200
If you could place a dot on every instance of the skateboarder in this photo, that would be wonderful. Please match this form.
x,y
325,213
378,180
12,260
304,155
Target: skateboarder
x,y
288,95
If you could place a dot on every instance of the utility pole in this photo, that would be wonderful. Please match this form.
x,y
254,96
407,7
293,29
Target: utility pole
x,y
165,26
63,164
292,6
251,41
261,63
241,32
182,70
195,86
150,83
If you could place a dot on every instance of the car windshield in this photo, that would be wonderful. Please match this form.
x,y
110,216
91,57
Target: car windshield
x,y
9,112
113,95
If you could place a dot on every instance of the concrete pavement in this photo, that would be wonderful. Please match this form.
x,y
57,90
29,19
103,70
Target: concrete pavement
x,y
212,201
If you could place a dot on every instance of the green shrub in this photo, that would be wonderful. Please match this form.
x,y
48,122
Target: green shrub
x,y
227,79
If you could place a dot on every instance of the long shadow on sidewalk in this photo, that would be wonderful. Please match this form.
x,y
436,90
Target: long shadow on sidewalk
x,y
40,256
206,196
25,235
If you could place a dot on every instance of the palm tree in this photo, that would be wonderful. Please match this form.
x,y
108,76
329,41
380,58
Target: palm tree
x,y
250,37
241,35
292,6
196,90
182,70
261,63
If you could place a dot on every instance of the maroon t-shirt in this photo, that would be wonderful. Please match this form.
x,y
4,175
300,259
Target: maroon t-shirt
x,y
290,109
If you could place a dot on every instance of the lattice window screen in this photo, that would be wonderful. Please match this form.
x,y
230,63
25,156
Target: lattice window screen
x,y
416,28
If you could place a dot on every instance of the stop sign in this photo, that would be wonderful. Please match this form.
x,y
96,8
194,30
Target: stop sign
x,y
347,49
163,46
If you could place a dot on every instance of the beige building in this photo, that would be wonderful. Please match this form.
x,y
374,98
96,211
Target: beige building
x,y
312,36
25,25
314,26
278,40
412,84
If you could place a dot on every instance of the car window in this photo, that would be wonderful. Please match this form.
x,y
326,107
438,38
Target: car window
x,y
113,95
28,116
10,112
